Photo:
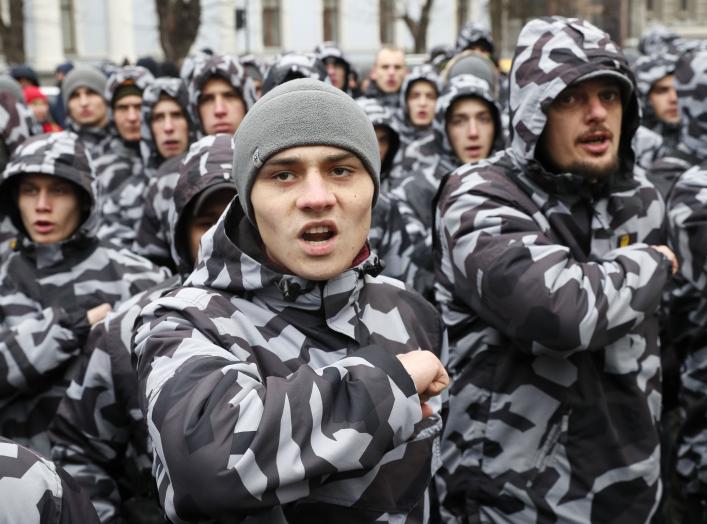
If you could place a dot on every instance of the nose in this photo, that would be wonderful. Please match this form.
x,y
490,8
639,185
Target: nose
x,y
43,201
219,105
133,114
168,124
673,96
83,99
316,194
472,129
596,111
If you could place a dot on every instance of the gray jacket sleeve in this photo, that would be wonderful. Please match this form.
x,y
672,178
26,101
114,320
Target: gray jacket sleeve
x,y
236,441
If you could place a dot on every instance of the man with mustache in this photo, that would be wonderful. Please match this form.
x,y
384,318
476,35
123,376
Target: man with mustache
x,y
550,266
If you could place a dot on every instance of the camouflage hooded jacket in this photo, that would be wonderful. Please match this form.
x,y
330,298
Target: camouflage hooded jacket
x,y
34,491
46,290
549,293
427,160
274,399
99,434
690,84
119,170
16,126
686,219
408,132
218,66
650,69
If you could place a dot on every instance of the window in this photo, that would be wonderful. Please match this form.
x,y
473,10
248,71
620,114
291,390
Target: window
x,y
330,18
271,23
68,27
386,15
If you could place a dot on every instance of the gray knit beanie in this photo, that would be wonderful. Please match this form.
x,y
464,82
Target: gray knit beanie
x,y
82,76
12,86
299,113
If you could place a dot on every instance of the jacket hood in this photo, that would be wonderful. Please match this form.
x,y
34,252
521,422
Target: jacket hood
x,y
221,66
127,75
59,154
330,51
232,260
208,164
16,122
553,53
382,116
474,33
691,86
253,66
190,64
464,86
174,88
424,72
294,65
657,40
648,70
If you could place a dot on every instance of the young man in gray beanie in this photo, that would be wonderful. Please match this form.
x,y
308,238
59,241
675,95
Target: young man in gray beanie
x,y
286,381
82,91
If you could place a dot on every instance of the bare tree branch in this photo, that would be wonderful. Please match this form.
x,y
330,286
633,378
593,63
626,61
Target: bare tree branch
x,y
418,28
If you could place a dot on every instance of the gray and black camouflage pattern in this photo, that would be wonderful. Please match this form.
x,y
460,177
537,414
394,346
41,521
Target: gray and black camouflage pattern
x,y
549,293
152,240
35,491
275,378
658,40
99,434
648,70
294,65
474,33
136,75
226,67
426,161
16,126
691,86
176,89
329,50
382,116
687,221
120,170
46,290
408,132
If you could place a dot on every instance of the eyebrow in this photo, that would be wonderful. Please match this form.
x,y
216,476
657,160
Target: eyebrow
x,y
293,160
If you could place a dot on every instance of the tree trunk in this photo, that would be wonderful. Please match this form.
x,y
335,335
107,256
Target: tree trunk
x,y
178,23
418,29
12,33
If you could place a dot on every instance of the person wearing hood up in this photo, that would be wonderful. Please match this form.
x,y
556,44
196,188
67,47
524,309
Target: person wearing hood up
x,y
418,98
550,261
18,125
59,281
393,235
219,94
119,170
658,97
83,92
467,128
386,127
316,400
387,75
291,66
683,173
338,67
255,69
99,434
35,491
